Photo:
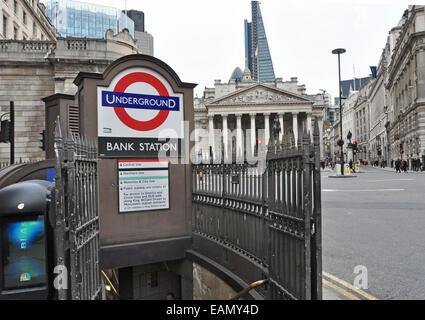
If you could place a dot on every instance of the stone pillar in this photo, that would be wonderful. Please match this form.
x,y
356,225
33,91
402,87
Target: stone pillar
x,y
211,133
239,141
267,128
197,142
295,126
225,137
309,128
282,128
420,58
252,115
321,137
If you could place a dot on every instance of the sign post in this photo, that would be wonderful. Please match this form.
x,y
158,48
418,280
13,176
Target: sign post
x,y
141,115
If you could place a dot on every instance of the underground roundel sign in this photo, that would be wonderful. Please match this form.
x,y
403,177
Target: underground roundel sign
x,y
139,115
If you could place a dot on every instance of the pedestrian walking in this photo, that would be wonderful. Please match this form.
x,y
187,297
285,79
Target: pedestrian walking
x,y
397,166
404,166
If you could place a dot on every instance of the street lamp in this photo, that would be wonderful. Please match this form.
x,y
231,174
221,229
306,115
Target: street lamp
x,y
340,51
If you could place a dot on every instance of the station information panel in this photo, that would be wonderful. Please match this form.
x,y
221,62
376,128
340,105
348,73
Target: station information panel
x,y
143,185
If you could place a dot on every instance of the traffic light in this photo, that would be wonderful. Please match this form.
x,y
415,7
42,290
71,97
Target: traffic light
x,y
354,146
401,148
5,131
201,176
43,140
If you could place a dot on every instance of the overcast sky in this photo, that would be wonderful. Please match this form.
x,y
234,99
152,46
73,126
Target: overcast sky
x,y
203,40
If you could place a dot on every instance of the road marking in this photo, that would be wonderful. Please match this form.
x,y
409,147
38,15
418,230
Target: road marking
x,y
340,290
364,190
349,286
391,180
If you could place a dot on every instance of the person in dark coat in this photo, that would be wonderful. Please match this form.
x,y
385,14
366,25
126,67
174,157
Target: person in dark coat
x,y
404,166
397,166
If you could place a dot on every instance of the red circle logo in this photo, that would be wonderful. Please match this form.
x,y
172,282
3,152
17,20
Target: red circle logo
x,y
122,114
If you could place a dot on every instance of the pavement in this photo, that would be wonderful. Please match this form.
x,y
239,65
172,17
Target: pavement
x,y
364,169
389,169
373,227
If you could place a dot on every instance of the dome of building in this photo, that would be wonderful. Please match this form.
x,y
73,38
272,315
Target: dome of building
x,y
237,74
246,76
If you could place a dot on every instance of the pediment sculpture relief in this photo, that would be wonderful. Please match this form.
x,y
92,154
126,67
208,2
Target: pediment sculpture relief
x,y
258,96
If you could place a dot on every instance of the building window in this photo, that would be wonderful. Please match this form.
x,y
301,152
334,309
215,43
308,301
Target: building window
x,y
15,6
42,37
24,17
34,30
15,33
4,26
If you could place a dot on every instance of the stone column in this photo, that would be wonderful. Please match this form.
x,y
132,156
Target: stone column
x,y
320,123
420,58
295,126
225,137
309,128
239,141
211,133
282,128
267,128
252,115
197,142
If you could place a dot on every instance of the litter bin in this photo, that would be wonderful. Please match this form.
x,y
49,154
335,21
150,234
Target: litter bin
x,y
26,242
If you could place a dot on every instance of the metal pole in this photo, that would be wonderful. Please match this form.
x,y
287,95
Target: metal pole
x,y
12,132
126,17
340,115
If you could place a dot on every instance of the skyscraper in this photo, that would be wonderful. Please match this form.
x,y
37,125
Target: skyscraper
x,y
257,53
144,39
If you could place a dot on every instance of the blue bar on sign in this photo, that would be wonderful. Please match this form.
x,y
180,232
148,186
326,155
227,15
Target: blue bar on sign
x,y
139,101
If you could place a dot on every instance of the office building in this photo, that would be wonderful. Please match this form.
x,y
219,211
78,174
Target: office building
x,y
85,20
143,38
257,54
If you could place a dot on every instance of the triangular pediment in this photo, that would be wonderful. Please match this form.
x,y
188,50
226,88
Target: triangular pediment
x,y
260,94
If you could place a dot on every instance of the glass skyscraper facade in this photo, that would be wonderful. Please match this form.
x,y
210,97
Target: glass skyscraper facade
x,y
257,53
86,20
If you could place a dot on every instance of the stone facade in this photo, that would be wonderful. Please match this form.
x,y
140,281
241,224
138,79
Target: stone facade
x,y
207,286
390,110
32,70
25,20
144,42
361,122
348,122
238,115
405,83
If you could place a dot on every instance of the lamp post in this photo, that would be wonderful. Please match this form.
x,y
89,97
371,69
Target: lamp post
x,y
340,51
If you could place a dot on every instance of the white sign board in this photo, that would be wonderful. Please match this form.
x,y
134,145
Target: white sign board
x,y
139,114
143,185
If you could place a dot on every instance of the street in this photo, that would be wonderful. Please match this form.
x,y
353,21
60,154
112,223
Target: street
x,y
377,221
